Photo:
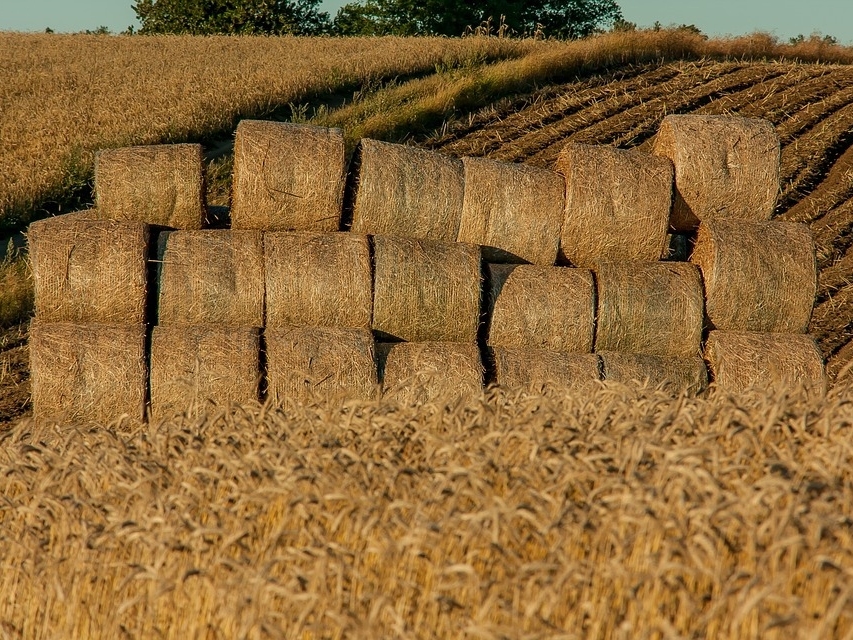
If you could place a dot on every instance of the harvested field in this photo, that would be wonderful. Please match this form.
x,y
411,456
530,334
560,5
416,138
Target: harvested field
x,y
810,105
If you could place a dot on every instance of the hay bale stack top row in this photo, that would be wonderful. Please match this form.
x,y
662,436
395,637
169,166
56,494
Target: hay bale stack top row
x,y
607,204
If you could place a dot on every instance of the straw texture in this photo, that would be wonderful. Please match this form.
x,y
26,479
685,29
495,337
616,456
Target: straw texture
x,y
287,177
617,204
418,373
726,167
194,366
514,211
158,184
426,290
740,360
315,279
759,276
89,271
406,191
88,372
674,375
541,307
311,363
654,308
211,277
544,371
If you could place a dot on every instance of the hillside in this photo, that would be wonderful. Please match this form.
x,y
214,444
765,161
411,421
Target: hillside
x,y
621,514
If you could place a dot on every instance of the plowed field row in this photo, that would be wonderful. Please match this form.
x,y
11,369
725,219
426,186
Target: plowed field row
x,y
811,106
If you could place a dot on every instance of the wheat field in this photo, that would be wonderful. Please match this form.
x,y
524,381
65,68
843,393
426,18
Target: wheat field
x,y
65,96
623,515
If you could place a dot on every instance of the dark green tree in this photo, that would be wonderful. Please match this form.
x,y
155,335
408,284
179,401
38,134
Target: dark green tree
x,y
203,17
560,19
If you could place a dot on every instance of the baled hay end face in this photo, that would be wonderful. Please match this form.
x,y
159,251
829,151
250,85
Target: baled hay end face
x,y
88,372
726,167
546,372
541,307
741,360
654,308
158,184
759,276
315,279
194,366
316,363
673,375
426,372
404,191
287,177
89,271
617,204
426,291
514,211
211,277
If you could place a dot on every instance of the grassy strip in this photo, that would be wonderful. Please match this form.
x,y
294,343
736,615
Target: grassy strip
x,y
422,105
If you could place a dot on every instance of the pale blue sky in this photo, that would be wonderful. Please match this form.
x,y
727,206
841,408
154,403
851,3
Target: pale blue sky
x,y
785,18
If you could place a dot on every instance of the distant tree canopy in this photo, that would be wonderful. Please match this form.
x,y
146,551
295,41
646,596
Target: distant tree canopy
x,y
560,19
554,18
278,17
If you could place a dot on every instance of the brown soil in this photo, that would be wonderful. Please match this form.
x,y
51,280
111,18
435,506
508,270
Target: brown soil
x,y
811,106
14,374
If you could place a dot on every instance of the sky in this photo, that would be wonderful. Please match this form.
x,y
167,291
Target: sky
x,y
784,18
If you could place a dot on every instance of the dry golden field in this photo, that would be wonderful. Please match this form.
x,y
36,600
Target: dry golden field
x,y
622,515
66,96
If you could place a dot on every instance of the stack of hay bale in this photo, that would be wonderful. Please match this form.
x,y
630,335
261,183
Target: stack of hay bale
x,y
88,341
426,300
760,276
289,183
451,272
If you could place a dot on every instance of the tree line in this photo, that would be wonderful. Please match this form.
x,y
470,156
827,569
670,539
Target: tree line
x,y
549,18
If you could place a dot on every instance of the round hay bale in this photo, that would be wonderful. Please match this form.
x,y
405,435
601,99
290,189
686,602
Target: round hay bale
x,y
617,204
318,279
514,211
725,167
405,191
759,276
546,372
88,372
313,363
425,290
89,271
741,360
654,308
673,375
211,277
425,372
158,184
541,307
287,177
193,366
